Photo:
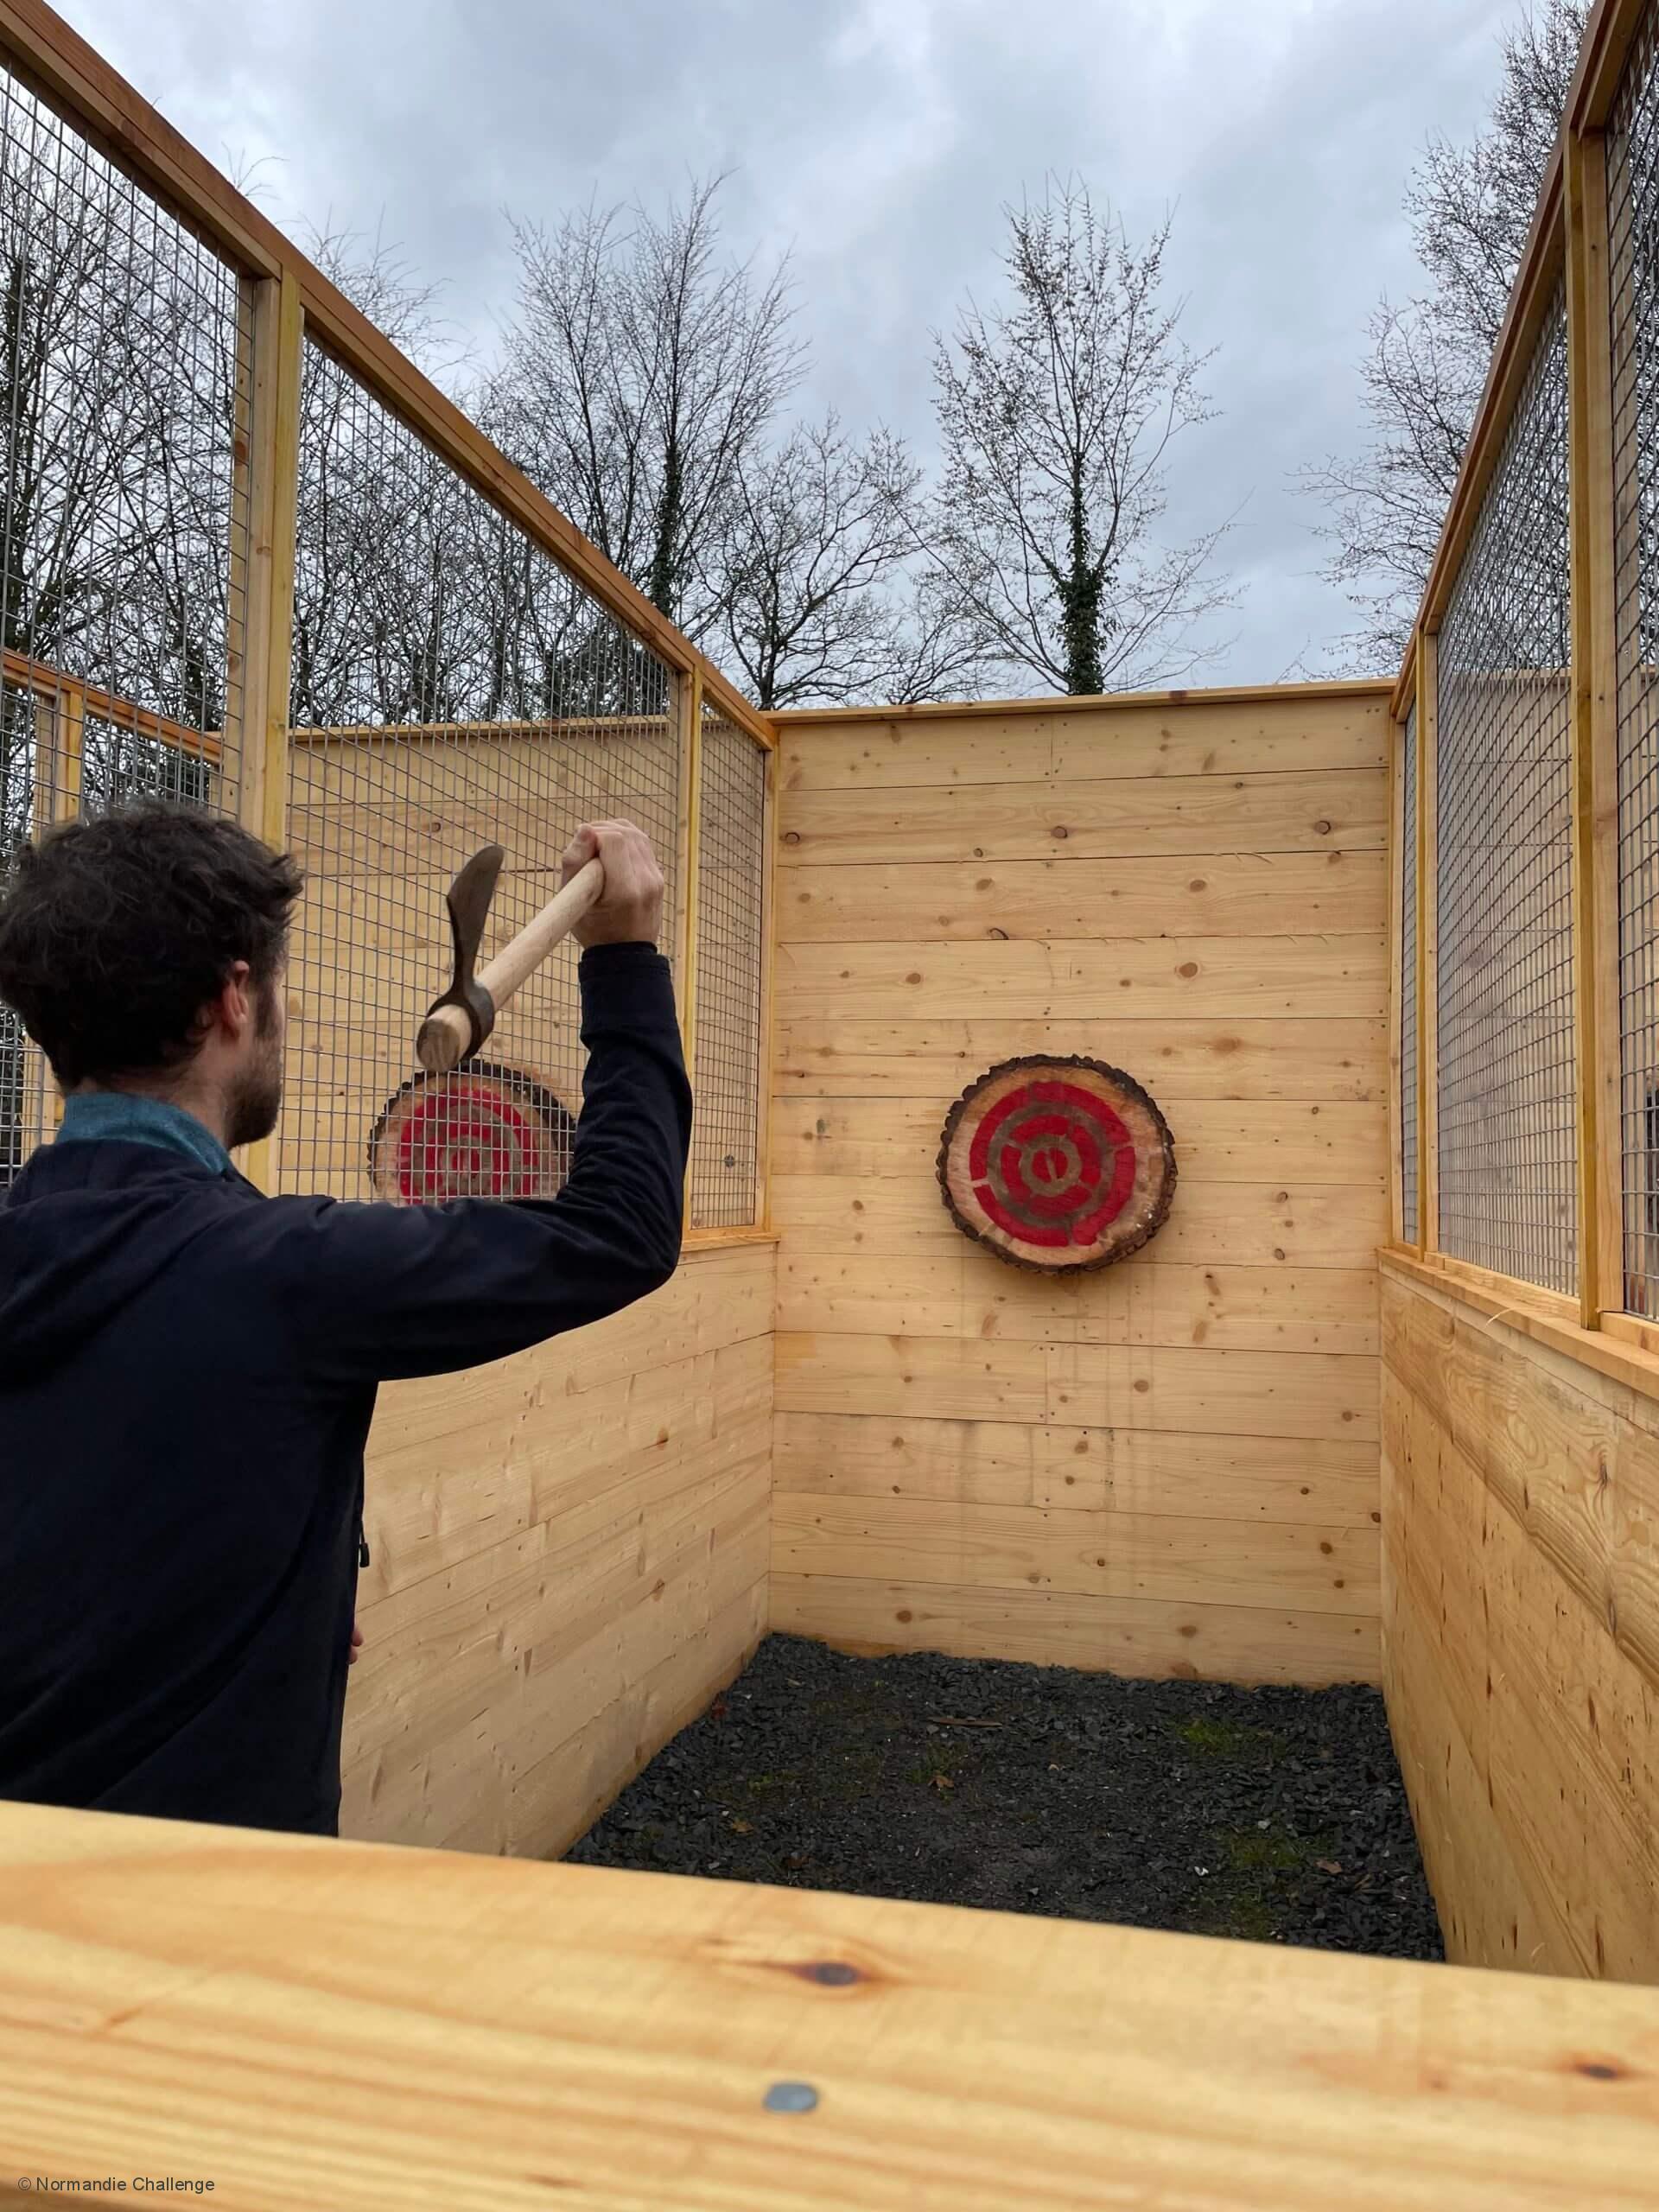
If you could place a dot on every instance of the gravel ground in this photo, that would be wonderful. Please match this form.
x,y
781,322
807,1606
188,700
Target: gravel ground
x,y
1274,1814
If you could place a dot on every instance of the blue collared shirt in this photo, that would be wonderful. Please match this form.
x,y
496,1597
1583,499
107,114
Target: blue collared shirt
x,y
98,1116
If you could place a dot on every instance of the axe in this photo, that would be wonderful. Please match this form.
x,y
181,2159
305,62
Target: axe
x,y
457,1023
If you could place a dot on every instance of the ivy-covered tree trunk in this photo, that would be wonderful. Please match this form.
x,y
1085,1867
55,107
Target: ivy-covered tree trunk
x,y
1080,595
1057,410
661,578
17,413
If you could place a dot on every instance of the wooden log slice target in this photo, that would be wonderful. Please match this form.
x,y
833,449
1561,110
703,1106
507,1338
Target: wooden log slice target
x,y
483,1132
1058,1165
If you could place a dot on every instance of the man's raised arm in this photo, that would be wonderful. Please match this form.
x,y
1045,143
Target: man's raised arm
x,y
378,1292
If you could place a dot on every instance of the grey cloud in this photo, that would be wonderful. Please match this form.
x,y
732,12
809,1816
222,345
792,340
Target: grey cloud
x,y
878,142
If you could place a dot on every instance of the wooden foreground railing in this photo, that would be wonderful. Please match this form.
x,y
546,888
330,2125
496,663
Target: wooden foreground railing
x,y
308,2023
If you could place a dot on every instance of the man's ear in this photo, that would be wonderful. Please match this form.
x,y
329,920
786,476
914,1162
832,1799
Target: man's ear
x,y
233,1010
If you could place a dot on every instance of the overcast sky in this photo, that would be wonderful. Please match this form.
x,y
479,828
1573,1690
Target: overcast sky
x,y
877,140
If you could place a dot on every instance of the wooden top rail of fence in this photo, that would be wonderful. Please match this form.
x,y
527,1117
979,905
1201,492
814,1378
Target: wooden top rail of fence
x,y
47,682
305,2022
582,727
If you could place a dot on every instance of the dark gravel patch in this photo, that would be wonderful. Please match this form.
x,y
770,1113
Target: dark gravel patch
x,y
1274,1814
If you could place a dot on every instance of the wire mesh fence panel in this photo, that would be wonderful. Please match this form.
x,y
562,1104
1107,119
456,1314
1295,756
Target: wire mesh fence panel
x,y
452,688
1633,209
1408,831
1507,1048
124,376
730,977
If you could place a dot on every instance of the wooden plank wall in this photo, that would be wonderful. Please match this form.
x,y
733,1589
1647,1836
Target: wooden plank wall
x,y
1170,1468
1521,1637
568,1558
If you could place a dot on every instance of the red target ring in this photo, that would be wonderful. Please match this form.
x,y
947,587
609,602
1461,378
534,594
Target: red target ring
x,y
482,1133
1058,1164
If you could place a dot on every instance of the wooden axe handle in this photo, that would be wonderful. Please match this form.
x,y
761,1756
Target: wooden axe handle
x,y
446,1035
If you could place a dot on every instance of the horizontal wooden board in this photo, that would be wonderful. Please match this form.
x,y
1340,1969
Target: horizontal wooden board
x,y
1242,1478
520,1651
403,911
1231,1141
718,1549
593,1439
1555,1723
1487,1914
971,1294
1262,1224
1310,697
429,760
398,808
967,1462
715,1300
466,1789
846,1056
504,1446
424,2028
1138,1471
883,754
1574,1457
1115,1553
558,1799
1137,1636
938,1379
1208,979
617,1415
1222,894
1325,1396
552,1536
1517,1516
728,1297
454,1644
1201,1392
1095,818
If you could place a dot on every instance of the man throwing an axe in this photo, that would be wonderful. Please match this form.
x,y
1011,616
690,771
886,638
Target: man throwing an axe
x,y
188,1368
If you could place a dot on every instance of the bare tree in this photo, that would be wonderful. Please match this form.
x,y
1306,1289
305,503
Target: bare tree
x,y
1470,209
815,576
643,387
380,523
119,344
1057,414
643,369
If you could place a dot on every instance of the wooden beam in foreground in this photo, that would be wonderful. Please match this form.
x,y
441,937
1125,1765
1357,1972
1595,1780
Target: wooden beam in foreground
x,y
305,2022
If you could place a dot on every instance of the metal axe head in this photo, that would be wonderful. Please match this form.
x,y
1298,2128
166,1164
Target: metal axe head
x,y
469,900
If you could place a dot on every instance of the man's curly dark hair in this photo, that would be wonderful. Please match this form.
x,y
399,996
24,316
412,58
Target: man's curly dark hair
x,y
116,932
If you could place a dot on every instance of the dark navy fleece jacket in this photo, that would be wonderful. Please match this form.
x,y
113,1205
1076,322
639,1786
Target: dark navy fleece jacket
x,y
188,1374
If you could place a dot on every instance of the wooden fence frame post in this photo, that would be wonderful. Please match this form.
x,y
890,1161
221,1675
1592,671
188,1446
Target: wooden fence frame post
x,y
1398,1223
70,739
768,993
1428,942
1595,729
58,708
688,714
267,495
